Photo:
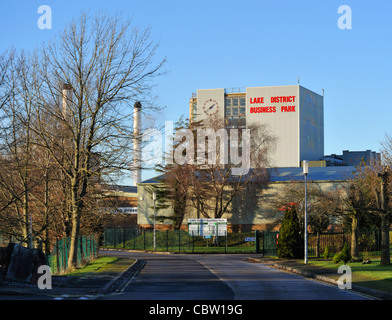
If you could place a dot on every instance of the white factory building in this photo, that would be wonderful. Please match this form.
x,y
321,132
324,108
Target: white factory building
x,y
294,115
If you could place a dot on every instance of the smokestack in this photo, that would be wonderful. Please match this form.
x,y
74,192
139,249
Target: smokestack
x,y
67,96
137,151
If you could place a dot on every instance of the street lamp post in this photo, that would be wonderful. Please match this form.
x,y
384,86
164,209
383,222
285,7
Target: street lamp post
x,y
154,197
305,167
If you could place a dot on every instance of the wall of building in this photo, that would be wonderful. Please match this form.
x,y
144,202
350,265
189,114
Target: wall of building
x,y
208,98
252,210
354,158
293,114
311,125
124,199
269,105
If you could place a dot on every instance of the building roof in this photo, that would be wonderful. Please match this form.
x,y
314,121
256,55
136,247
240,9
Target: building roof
x,y
125,189
335,173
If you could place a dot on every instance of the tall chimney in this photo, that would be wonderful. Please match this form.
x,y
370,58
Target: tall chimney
x,y
67,96
137,151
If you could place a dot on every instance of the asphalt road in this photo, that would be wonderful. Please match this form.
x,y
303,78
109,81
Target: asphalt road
x,y
220,277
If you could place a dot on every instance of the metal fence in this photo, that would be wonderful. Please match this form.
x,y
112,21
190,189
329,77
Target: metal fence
x,y
182,241
87,249
263,242
369,242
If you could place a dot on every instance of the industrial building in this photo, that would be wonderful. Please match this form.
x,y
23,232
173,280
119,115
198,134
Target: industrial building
x,y
352,158
121,202
250,210
295,115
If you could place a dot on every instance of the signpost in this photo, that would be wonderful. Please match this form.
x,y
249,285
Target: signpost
x,y
207,227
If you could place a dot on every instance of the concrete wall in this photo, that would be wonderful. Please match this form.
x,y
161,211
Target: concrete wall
x,y
295,115
210,102
249,211
311,125
353,158
281,120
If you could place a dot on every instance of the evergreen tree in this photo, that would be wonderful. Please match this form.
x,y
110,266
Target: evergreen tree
x,y
291,242
344,255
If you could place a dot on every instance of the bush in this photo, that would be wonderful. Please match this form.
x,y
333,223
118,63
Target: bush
x,y
344,255
326,253
291,242
336,258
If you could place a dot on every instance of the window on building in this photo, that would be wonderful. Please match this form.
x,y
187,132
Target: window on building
x,y
235,112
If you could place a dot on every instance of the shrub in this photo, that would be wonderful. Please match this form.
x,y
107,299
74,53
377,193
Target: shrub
x,y
326,253
344,255
291,244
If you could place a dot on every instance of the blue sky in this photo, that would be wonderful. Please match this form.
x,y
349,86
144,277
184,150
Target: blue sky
x,y
225,44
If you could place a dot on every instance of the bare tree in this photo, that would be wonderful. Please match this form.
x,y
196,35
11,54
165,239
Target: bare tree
x,y
16,176
229,169
25,172
368,195
106,65
211,175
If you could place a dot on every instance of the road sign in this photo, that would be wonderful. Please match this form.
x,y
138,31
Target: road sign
x,y
250,239
207,227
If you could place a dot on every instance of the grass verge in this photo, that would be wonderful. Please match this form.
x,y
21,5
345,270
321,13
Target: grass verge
x,y
373,275
96,265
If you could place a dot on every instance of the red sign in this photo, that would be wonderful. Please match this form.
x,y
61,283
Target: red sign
x,y
272,109
287,109
283,99
262,109
257,100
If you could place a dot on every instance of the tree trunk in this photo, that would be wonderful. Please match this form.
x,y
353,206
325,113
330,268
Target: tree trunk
x,y
385,250
354,237
26,226
72,257
47,211
318,244
75,222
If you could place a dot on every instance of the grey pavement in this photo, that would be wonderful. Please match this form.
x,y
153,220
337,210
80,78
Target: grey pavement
x,y
226,277
188,277
174,277
258,281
